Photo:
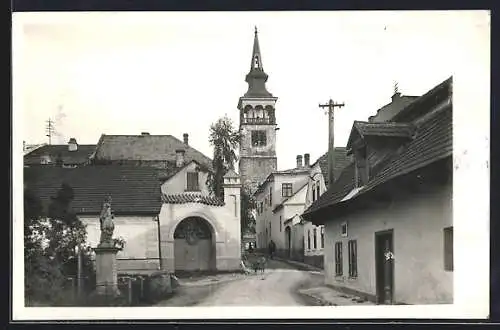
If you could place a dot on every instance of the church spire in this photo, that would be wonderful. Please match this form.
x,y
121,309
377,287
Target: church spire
x,y
256,78
256,57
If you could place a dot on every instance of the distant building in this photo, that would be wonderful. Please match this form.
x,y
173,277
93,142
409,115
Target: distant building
x,y
314,236
257,156
276,203
388,111
65,155
388,217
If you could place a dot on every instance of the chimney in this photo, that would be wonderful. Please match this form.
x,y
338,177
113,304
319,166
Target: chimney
x,y
186,138
396,96
299,161
179,159
145,133
306,160
72,145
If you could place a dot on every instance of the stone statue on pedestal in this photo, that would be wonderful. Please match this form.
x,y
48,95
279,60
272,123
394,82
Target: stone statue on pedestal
x,y
107,225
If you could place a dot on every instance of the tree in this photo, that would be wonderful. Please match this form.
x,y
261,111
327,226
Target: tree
x,y
225,139
50,240
247,206
65,233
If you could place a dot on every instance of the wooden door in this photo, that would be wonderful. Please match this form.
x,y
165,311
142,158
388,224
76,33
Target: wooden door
x,y
384,266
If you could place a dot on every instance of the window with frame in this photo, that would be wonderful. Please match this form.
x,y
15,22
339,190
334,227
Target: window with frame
x,y
338,259
315,238
317,190
270,196
322,237
192,181
281,225
352,248
258,138
314,192
343,229
448,249
308,239
286,189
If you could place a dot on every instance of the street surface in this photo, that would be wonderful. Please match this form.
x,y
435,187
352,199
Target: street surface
x,y
278,286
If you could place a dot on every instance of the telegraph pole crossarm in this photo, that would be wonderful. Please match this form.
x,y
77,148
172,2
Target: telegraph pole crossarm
x,y
331,127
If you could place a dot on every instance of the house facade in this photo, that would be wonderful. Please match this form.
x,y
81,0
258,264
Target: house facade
x,y
279,187
197,231
136,205
388,217
313,235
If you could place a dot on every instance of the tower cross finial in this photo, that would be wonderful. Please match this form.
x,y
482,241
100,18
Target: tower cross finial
x,y
255,29
396,87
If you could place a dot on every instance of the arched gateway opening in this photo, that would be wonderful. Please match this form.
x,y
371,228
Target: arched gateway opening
x,y
194,245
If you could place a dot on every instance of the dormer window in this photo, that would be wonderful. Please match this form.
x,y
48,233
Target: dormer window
x,y
44,160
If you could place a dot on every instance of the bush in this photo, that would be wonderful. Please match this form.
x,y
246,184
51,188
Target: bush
x,y
159,286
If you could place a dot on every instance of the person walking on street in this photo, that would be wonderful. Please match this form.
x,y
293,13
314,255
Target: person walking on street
x,y
272,249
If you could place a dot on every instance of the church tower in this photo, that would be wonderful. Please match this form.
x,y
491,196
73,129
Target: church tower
x,y
257,125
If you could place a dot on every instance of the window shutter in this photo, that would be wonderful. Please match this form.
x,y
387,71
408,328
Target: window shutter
x,y
192,181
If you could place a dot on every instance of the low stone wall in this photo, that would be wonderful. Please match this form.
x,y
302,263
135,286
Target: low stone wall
x,y
316,261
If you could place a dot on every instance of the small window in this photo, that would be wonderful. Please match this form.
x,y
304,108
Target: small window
x,y
308,239
322,237
286,189
448,249
315,239
353,258
258,138
192,181
314,192
270,196
281,225
338,259
343,229
317,190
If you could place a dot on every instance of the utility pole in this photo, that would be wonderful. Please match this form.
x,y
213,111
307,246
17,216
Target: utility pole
x,y
331,148
50,130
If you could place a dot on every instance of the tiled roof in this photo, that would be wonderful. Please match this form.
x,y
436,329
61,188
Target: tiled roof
x,y
423,103
341,161
191,198
384,129
79,156
146,148
432,142
134,190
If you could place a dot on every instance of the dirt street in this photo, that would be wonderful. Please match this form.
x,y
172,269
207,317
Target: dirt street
x,y
278,286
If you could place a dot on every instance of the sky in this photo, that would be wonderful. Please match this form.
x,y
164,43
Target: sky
x,y
175,73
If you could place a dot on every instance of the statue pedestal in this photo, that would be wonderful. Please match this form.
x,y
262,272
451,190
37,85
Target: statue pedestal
x,y
106,270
